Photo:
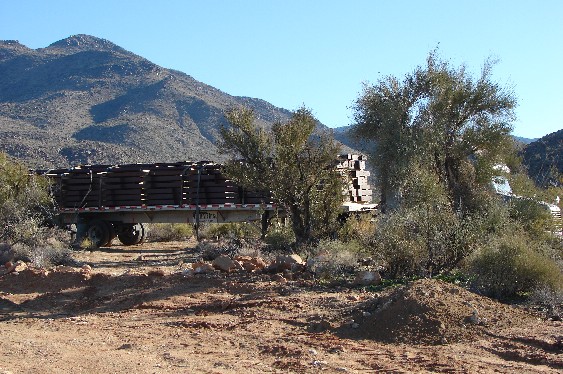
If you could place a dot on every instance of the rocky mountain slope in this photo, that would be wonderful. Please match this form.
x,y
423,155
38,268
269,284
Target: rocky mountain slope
x,y
87,100
544,159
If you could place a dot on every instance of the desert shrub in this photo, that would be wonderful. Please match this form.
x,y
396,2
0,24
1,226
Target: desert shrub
x,y
211,249
166,232
424,240
54,249
549,300
534,217
332,259
26,211
514,264
358,228
233,230
279,238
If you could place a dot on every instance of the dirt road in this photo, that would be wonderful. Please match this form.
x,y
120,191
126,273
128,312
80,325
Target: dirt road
x,y
135,310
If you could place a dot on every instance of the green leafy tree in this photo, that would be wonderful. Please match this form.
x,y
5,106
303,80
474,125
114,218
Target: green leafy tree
x,y
292,162
438,118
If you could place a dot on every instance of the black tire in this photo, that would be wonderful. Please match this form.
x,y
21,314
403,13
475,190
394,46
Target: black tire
x,y
99,233
132,234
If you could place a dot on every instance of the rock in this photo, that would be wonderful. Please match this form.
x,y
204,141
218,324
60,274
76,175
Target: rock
x,y
319,326
366,314
242,258
188,272
474,318
337,349
202,268
355,325
251,264
86,268
226,264
279,278
259,262
249,267
65,269
367,278
292,262
20,266
156,273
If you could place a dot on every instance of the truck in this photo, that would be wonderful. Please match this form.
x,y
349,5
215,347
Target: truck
x,y
104,202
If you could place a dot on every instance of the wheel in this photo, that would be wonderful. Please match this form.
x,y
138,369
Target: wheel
x,y
99,233
132,234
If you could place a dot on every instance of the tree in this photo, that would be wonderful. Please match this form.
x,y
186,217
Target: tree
x,y
292,162
438,118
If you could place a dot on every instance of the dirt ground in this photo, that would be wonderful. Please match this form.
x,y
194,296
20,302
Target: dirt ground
x,y
136,310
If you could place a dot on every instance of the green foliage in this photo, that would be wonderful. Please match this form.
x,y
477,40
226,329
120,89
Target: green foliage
x,y
280,238
438,118
292,162
166,232
357,228
25,204
514,264
233,230
534,217
425,240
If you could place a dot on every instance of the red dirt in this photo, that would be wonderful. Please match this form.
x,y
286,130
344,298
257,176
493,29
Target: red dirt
x,y
137,312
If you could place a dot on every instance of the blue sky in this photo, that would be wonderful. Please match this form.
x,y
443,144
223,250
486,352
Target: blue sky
x,y
318,53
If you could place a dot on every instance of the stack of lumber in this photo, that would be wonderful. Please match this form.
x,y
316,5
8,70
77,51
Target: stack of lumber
x,y
148,184
180,183
353,168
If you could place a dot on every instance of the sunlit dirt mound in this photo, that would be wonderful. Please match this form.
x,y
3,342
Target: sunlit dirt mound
x,y
431,312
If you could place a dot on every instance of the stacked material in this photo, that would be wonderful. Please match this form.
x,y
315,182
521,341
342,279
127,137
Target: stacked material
x,y
353,167
182,183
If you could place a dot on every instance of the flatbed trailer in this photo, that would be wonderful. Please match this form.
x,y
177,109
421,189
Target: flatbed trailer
x,y
109,201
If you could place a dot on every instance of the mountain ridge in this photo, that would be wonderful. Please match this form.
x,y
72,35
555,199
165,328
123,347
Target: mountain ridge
x,y
85,100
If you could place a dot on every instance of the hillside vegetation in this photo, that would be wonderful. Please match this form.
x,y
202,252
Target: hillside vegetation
x,y
86,100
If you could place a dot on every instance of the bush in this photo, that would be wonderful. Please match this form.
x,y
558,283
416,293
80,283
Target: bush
x,y
233,230
423,240
280,238
358,228
550,300
166,232
514,264
26,213
533,216
332,259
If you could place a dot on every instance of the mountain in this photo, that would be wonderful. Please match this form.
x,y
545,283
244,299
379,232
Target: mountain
x,y
86,100
524,140
544,159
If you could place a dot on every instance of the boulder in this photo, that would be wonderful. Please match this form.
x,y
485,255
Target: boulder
x,y
20,266
251,264
259,262
226,264
367,278
202,268
292,262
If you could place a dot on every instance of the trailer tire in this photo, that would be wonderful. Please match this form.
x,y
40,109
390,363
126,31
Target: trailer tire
x,y
99,233
132,234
